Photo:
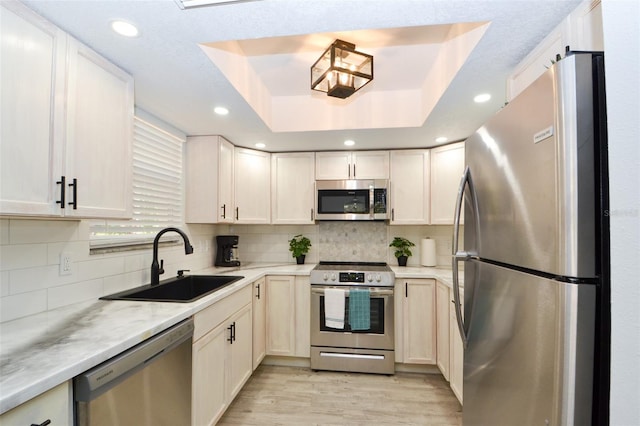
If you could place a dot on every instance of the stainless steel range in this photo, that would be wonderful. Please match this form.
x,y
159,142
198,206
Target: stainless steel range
x,y
352,317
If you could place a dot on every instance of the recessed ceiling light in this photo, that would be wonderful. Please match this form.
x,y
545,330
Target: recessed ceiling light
x,y
221,110
260,145
124,28
442,139
349,142
484,97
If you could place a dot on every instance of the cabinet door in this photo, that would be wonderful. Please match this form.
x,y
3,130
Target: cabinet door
x,y
99,135
31,77
370,165
447,166
280,315
292,188
252,186
333,165
456,367
419,321
208,379
239,356
303,320
54,405
259,349
225,181
442,326
410,187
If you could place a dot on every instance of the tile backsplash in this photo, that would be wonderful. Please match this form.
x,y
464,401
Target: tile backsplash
x,y
30,281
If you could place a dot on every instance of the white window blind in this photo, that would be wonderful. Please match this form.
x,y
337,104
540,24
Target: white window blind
x,y
157,190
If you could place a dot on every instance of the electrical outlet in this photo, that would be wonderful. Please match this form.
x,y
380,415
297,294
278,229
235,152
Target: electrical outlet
x,y
65,264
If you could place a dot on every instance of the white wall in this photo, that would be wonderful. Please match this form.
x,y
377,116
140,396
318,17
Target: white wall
x,y
621,20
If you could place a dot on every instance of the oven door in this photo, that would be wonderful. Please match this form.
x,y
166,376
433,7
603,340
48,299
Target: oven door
x,y
379,336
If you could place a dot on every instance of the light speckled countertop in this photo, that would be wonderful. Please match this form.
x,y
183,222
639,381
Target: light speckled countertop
x,y
41,351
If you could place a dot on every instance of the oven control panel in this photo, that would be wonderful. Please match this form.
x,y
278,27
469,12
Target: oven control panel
x,y
351,277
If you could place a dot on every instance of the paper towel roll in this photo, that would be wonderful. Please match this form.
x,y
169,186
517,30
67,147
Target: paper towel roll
x,y
428,252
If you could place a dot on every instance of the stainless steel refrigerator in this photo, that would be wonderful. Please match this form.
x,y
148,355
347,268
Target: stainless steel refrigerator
x,y
535,316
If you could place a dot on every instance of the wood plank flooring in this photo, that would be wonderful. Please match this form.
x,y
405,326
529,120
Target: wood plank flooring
x,y
277,395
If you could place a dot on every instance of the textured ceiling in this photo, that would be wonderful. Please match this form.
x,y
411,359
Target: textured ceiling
x,y
178,81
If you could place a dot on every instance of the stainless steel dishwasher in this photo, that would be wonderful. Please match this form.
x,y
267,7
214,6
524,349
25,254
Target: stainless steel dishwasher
x,y
149,384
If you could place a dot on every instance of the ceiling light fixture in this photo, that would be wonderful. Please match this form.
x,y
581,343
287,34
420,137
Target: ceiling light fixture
x,y
349,142
124,28
441,139
221,110
188,4
484,97
341,70
260,145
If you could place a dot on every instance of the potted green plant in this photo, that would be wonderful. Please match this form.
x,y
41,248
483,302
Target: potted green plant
x,y
402,251
299,247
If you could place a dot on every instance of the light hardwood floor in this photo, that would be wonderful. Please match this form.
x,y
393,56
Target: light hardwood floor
x,y
299,396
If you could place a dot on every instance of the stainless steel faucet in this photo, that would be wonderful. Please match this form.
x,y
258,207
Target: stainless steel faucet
x,y
157,269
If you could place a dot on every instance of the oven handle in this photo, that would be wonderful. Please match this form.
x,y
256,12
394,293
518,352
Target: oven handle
x,y
374,291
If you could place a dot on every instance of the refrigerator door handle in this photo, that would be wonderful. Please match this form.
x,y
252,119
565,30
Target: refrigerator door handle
x,y
463,256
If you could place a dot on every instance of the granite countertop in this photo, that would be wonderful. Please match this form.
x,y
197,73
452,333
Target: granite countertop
x,y
41,351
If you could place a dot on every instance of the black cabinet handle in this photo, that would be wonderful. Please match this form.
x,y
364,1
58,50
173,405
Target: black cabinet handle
x,y
237,212
393,214
234,331
224,211
74,185
312,214
258,295
354,171
45,423
63,191
230,339
406,290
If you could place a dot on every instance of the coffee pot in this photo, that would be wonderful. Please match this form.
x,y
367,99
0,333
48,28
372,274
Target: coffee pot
x,y
227,250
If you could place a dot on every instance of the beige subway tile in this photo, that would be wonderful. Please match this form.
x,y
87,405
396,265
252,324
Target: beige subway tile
x,y
74,293
42,231
22,256
22,305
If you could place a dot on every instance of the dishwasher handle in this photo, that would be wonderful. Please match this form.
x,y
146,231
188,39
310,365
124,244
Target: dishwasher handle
x,y
93,383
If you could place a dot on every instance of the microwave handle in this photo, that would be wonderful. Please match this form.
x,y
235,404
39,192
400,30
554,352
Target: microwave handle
x,y
372,194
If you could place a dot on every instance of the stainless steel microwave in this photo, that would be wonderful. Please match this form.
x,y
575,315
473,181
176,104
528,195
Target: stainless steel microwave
x,y
358,199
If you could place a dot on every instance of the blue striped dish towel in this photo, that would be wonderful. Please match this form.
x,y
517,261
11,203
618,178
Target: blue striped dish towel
x,y
359,309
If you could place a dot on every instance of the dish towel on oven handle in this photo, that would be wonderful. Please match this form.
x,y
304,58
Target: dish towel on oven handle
x,y
359,309
334,307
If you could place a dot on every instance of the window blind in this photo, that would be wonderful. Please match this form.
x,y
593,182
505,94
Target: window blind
x,y
157,190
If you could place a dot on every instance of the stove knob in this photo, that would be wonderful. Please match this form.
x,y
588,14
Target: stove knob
x,y
369,277
325,277
378,278
333,277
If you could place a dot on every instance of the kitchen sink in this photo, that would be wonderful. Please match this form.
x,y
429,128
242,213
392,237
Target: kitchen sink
x,y
183,289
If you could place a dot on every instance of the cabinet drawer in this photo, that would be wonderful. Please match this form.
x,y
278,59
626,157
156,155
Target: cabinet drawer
x,y
211,317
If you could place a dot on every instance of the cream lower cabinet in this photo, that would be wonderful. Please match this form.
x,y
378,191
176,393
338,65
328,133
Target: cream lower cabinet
x,y
415,321
222,355
288,321
443,304
53,405
456,357
259,322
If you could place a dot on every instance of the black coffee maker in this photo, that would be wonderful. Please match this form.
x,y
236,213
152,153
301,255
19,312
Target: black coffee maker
x,y
227,252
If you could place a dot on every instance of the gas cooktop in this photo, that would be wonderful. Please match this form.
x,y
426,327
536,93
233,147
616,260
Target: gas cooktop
x,y
376,274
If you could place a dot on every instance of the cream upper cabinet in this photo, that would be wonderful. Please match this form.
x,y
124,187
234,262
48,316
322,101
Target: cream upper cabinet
x,y
67,124
252,183
99,132
292,188
288,322
447,167
352,165
417,320
209,164
410,188
456,348
442,328
259,349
